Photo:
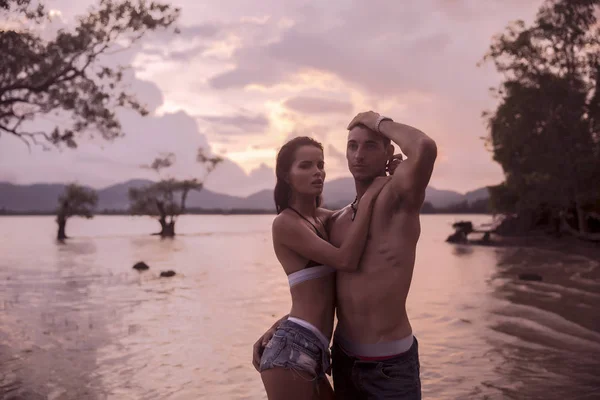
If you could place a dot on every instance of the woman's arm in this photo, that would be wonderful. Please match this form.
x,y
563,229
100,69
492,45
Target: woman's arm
x,y
303,241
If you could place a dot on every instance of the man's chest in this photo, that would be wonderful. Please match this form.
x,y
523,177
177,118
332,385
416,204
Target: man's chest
x,y
339,230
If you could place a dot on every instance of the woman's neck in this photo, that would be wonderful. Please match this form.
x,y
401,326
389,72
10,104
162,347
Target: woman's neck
x,y
304,204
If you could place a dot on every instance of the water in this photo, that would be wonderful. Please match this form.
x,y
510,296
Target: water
x,y
76,322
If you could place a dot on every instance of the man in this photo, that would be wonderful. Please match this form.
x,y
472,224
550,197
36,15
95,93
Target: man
x,y
374,352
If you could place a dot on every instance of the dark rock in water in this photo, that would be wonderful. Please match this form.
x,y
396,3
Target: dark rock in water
x,y
486,238
457,237
167,274
530,277
141,266
464,226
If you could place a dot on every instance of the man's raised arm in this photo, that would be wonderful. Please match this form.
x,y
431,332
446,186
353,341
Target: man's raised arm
x,y
411,177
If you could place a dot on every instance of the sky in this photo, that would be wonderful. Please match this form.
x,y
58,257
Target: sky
x,y
243,77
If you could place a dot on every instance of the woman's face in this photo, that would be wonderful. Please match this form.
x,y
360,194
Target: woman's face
x,y
307,174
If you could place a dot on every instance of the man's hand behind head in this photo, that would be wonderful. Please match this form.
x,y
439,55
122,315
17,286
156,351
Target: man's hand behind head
x,y
393,163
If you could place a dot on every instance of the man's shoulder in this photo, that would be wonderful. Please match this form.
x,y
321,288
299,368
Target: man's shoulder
x,y
392,202
336,215
390,210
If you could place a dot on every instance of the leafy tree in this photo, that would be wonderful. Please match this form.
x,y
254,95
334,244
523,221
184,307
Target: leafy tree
x,y
66,74
76,201
166,199
545,132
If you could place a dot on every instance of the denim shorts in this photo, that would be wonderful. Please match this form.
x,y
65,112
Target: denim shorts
x,y
298,348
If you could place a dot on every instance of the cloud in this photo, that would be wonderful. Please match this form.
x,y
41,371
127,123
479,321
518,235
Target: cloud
x,y
247,74
182,55
272,70
101,164
237,124
337,155
203,30
230,178
317,105
317,132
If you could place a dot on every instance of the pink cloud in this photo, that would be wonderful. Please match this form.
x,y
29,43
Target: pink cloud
x,y
317,105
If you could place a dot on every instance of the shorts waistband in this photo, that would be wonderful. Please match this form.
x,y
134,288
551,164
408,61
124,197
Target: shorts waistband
x,y
385,349
305,324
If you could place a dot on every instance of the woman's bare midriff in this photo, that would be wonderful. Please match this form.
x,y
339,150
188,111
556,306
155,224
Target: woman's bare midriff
x,y
314,302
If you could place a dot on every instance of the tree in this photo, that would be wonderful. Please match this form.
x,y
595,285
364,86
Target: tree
x,y
166,199
545,132
66,74
76,201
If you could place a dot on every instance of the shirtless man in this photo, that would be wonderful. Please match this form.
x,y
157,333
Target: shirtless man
x,y
374,352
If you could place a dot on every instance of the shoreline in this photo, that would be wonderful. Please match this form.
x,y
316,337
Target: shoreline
x,y
567,245
208,211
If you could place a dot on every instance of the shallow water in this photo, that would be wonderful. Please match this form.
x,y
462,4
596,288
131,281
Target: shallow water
x,y
76,322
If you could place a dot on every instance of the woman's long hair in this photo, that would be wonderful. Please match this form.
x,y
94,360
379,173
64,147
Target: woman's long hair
x,y
285,159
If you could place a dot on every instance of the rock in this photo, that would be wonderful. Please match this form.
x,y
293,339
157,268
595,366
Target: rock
x,y
141,266
530,277
486,238
484,241
167,274
465,226
457,237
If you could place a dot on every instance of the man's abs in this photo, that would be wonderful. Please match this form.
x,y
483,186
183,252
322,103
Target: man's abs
x,y
371,303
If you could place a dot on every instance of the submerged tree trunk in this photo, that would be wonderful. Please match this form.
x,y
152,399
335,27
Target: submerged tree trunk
x,y
167,229
62,223
594,237
581,220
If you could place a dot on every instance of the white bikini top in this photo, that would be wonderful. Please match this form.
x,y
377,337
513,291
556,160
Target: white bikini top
x,y
309,273
312,270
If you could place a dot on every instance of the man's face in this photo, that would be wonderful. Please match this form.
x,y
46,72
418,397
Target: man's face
x,y
366,153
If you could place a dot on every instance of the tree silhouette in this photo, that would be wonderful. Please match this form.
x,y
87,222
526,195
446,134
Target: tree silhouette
x,y
166,199
75,201
65,75
545,132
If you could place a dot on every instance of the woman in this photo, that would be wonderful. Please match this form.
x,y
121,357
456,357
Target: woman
x,y
294,362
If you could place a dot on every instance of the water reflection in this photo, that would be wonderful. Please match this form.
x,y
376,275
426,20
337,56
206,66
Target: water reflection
x,y
52,330
549,342
77,322
462,250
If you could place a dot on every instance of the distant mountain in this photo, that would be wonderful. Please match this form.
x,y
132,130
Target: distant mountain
x,y
337,193
116,197
442,198
260,200
478,194
44,197
340,192
39,197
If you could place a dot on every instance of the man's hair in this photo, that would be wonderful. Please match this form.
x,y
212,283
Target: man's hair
x,y
384,139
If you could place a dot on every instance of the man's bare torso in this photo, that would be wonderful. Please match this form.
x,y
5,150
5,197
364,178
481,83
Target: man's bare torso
x,y
371,303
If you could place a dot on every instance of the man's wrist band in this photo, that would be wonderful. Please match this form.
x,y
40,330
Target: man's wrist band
x,y
379,121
